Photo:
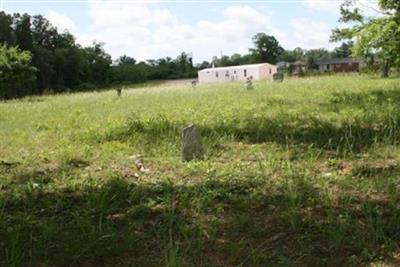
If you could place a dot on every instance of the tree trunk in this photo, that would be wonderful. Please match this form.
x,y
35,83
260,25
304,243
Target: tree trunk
x,y
385,69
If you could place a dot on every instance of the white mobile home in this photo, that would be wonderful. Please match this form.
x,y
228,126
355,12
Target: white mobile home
x,y
261,71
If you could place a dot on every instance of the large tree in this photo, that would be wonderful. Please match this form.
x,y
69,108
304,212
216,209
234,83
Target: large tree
x,y
23,36
344,50
266,48
44,37
203,65
293,55
126,60
6,30
97,63
372,35
62,64
312,55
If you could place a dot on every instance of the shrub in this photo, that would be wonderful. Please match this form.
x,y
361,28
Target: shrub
x,y
16,75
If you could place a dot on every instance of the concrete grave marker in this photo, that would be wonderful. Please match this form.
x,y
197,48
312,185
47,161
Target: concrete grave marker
x,y
119,91
192,149
194,83
277,77
249,83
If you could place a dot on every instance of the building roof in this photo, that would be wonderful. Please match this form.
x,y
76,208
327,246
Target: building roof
x,y
338,61
236,67
299,63
282,63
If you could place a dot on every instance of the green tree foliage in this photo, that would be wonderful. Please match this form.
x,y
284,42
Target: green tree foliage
x,y
266,48
63,65
223,61
126,70
185,65
311,56
58,58
126,60
204,65
23,36
233,60
97,63
293,55
6,31
16,74
167,68
343,51
307,57
373,35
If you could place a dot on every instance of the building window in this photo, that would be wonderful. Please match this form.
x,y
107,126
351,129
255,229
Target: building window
x,y
216,74
245,73
270,71
227,73
234,72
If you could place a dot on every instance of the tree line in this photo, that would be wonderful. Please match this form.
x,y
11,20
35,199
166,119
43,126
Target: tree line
x,y
373,38
55,60
36,58
262,53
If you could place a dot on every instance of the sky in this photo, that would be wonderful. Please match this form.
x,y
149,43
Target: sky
x,y
150,29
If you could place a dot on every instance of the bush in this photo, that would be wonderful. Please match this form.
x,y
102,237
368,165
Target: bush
x,y
17,77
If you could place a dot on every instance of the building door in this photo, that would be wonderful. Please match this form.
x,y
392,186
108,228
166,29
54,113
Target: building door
x,y
227,75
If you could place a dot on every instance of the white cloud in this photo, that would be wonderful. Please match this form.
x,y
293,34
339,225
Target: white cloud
x,y
310,34
314,34
61,21
324,5
147,31
368,7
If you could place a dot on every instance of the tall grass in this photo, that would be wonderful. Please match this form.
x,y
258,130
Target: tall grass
x,y
300,173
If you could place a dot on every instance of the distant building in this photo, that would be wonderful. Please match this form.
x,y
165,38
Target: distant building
x,y
298,67
340,65
282,66
261,71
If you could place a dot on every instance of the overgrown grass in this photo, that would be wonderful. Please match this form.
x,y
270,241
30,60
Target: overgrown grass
x,y
303,173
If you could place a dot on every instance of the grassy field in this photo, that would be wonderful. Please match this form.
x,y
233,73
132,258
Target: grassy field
x,y
303,173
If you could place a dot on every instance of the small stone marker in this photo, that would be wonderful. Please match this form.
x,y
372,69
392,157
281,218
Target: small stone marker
x,y
119,91
194,83
277,77
138,160
249,84
192,149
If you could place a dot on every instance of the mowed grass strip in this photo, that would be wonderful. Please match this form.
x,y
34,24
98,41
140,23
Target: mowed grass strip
x,y
302,173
